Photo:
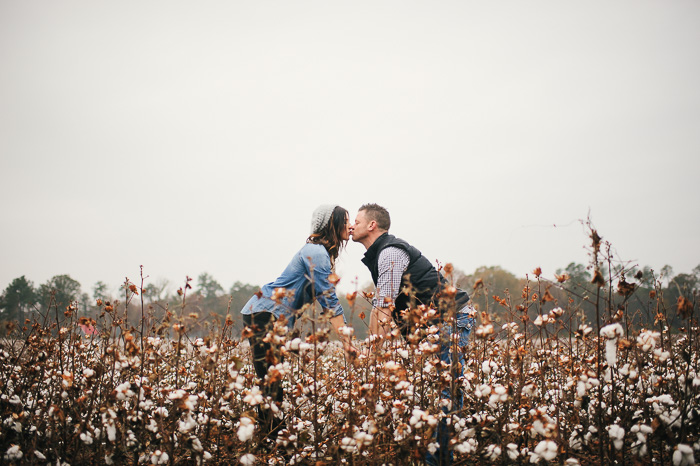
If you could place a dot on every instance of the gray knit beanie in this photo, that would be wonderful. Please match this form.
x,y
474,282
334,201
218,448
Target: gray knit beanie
x,y
321,217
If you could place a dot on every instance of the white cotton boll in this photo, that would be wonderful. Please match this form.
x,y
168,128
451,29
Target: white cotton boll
x,y
432,420
253,397
363,438
370,427
111,431
624,370
538,427
187,424
466,447
612,331
683,456
485,390
661,355
86,438
246,429
486,367
557,312
402,385
547,450
512,451
500,393
294,344
303,346
159,457
403,353
572,462
617,435
348,444
417,418
190,402
575,441
13,453
177,394
529,389
493,452
197,445
347,331
247,459
647,340
581,388
392,365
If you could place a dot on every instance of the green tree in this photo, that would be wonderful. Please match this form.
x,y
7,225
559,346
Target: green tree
x,y
578,274
495,281
158,291
17,299
208,288
64,288
667,273
99,291
240,294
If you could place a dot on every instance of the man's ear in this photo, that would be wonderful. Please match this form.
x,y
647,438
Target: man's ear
x,y
372,225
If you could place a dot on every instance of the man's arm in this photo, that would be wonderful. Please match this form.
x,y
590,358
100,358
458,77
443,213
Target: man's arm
x,y
380,321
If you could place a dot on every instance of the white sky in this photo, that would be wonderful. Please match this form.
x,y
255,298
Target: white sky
x,y
194,137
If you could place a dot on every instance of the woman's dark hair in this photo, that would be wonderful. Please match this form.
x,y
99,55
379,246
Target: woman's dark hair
x,y
331,236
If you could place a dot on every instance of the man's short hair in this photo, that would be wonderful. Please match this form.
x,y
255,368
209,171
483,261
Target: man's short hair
x,y
379,214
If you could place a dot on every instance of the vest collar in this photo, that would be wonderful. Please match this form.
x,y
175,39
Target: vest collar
x,y
373,250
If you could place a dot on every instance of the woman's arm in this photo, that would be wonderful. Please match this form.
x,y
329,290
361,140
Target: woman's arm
x,y
324,289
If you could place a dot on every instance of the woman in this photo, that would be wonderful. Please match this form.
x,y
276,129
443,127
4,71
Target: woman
x,y
306,278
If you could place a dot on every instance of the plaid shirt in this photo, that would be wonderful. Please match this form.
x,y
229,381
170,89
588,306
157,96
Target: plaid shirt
x,y
392,263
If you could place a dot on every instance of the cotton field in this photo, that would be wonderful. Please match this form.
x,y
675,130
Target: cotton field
x,y
538,386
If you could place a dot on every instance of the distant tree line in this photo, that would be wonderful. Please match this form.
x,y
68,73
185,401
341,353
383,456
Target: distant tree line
x,y
576,287
207,302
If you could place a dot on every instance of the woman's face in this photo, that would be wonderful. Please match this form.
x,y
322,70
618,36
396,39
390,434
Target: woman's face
x,y
346,231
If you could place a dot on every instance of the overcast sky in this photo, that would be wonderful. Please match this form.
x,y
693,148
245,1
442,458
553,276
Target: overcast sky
x,y
194,137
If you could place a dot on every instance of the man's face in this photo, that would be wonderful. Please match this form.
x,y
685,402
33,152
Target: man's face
x,y
360,229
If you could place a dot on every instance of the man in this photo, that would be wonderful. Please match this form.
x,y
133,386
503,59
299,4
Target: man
x,y
415,295
402,276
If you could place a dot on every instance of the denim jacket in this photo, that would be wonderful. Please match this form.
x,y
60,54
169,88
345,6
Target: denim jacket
x,y
305,277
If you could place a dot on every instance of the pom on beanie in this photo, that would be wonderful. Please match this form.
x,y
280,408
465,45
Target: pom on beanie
x,y
321,217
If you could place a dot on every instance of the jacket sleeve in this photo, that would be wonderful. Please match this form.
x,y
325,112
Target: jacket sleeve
x,y
319,266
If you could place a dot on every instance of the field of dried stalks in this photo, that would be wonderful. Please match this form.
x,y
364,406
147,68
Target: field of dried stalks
x,y
537,388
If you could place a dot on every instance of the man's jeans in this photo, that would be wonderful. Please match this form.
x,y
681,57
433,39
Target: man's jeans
x,y
465,323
